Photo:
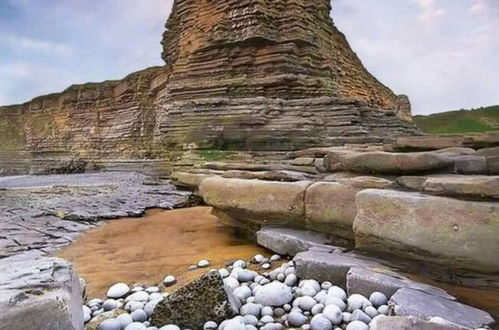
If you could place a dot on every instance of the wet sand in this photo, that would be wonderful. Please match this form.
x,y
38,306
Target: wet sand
x,y
145,250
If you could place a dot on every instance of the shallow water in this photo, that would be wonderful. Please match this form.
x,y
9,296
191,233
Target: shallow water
x,y
145,250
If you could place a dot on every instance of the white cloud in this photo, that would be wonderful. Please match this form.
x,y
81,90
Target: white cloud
x,y
430,12
478,6
22,43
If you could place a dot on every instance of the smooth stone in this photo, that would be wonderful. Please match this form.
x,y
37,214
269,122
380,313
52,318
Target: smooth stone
x,y
231,283
337,292
291,280
265,266
267,319
223,272
169,280
87,313
333,300
109,305
152,289
250,309
250,319
139,315
267,311
359,315
371,311
275,257
136,326
118,290
169,327
384,309
203,263
149,307
273,294
296,319
140,296
210,325
320,322
245,275
239,264
110,324
317,309
124,319
333,314
378,299
258,258
357,301
357,325
305,303
132,306
242,292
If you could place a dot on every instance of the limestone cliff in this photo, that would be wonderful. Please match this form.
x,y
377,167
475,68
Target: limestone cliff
x,y
239,74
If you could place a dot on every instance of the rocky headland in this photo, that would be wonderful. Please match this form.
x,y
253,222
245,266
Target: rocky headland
x,y
265,114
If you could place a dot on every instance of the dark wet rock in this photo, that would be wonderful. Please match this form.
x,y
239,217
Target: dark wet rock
x,y
204,299
39,291
408,302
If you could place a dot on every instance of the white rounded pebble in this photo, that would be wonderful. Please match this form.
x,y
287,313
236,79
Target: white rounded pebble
x,y
333,313
383,309
234,324
139,315
317,309
378,299
109,305
242,292
337,292
210,325
357,325
291,280
334,300
250,319
359,315
87,313
250,309
141,296
231,283
169,327
245,275
132,306
305,303
371,311
346,316
265,266
320,322
203,263
169,280
267,310
156,296
136,326
373,325
326,285
239,264
110,324
137,288
296,319
267,319
258,258
223,272
149,307
356,301
152,289
124,319
118,290
275,257
273,294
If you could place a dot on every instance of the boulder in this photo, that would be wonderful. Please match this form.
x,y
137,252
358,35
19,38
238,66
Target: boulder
x,y
473,186
408,302
330,208
190,307
387,162
257,201
190,180
39,292
287,241
456,233
411,323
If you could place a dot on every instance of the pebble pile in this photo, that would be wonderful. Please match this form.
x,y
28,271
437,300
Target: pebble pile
x,y
273,300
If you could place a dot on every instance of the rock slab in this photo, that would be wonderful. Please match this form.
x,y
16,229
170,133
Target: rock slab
x,y
39,292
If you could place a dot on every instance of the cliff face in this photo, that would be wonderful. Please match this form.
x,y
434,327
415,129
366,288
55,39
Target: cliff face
x,y
239,74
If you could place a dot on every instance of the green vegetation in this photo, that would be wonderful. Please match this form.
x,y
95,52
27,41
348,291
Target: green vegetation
x,y
461,121
213,155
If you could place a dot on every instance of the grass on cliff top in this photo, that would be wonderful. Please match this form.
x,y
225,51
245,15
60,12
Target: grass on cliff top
x,y
461,121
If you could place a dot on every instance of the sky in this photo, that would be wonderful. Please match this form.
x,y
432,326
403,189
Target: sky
x,y
444,54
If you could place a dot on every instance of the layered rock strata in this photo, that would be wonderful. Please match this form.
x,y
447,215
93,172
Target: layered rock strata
x,y
241,75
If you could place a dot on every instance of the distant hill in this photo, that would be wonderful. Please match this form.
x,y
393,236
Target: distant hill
x,y
460,121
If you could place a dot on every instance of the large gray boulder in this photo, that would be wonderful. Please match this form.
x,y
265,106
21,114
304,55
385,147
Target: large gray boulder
x,y
39,292
456,233
411,323
262,202
205,299
408,302
330,208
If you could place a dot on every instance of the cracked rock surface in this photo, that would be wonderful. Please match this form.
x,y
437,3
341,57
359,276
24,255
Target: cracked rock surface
x,y
47,212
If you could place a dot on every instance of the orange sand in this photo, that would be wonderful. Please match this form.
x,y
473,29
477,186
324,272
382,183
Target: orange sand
x,y
147,249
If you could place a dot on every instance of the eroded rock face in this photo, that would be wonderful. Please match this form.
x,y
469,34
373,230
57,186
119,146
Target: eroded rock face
x,y
247,75
461,234
204,299
38,292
